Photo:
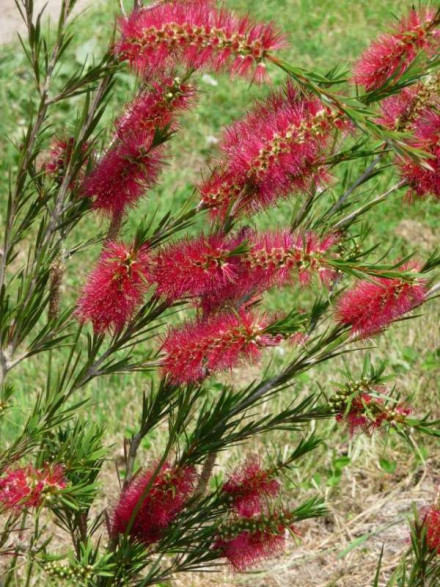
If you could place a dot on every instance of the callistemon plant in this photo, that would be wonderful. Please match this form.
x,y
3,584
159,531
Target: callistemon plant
x,y
185,294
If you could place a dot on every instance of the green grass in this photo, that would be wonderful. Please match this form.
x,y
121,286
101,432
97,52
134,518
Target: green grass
x,y
321,34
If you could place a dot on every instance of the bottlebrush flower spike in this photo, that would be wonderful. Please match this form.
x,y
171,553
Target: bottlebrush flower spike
x,y
283,252
160,505
124,173
358,406
246,542
274,258
114,289
249,486
430,518
197,35
397,109
424,178
372,306
281,146
196,267
212,344
411,105
157,107
392,53
26,487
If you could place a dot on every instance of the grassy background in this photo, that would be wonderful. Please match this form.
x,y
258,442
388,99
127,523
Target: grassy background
x,y
363,479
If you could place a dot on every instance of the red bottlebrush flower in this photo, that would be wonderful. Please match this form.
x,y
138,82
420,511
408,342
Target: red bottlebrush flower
x,y
274,259
248,541
223,192
157,107
198,35
371,306
194,268
59,157
26,487
124,173
306,253
424,179
160,505
218,342
430,518
392,53
364,412
411,107
248,486
114,289
396,109
280,147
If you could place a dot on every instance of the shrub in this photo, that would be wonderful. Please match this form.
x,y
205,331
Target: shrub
x,y
304,143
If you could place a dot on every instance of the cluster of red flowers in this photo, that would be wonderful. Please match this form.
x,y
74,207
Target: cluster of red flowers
x,y
430,518
27,487
249,487
215,343
149,505
115,287
364,407
124,173
157,107
415,108
247,542
424,179
133,162
281,146
196,267
254,533
392,53
372,305
223,277
222,271
198,35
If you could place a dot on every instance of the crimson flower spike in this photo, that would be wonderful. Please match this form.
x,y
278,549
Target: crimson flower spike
x,y
372,306
249,487
157,107
115,287
160,505
274,258
26,487
281,253
363,407
195,267
402,111
392,53
124,173
280,147
245,542
430,519
424,179
132,164
198,348
198,35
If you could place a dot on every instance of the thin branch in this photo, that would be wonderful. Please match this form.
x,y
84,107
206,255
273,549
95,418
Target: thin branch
x,y
205,475
370,171
434,289
348,219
